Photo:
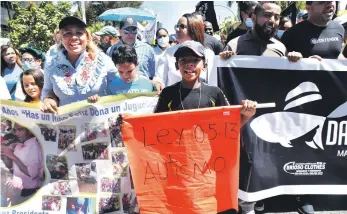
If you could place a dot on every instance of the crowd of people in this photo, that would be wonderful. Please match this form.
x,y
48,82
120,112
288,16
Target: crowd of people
x,y
95,151
116,132
66,138
48,132
85,66
93,131
51,203
110,185
61,188
109,204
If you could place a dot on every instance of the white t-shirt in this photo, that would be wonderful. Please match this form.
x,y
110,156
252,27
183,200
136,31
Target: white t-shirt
x,y
166,72
5,94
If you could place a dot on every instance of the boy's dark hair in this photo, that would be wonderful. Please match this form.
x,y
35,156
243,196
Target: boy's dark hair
x,y
245,5
124,54
38,77
260,6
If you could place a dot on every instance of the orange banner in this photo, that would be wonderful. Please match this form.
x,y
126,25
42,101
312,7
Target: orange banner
x,y
186,161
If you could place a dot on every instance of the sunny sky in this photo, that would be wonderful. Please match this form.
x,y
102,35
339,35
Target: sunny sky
x,y
168,12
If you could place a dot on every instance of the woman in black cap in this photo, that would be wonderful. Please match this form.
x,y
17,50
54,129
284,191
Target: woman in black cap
x,y
78,71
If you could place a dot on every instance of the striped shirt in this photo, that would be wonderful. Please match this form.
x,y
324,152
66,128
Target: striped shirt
x,y
145,56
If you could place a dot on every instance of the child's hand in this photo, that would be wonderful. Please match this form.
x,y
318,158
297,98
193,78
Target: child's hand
x,y
93,99
248,108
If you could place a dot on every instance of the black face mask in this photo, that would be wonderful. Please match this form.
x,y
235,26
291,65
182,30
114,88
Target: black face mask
x,y
104,46
263,32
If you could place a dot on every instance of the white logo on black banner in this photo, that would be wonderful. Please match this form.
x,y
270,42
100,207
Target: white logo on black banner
x,y
283,127
304,168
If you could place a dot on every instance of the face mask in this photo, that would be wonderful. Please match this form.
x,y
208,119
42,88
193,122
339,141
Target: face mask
x,y
29,65
280,33
163,41
249,23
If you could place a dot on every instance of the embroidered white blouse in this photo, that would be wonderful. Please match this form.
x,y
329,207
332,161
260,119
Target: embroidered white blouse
x,y
72,84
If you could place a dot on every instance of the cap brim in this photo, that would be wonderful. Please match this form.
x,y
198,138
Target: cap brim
x,y
182,50
71,20
127,26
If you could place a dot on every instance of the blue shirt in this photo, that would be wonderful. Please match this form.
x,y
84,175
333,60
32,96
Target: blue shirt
x,y
116,85
145,56
75,83
11,76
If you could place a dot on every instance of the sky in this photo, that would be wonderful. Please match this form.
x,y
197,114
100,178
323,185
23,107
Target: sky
x,y
168,12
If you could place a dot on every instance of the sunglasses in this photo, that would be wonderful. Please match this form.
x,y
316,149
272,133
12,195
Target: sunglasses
x,y
130,31
181,26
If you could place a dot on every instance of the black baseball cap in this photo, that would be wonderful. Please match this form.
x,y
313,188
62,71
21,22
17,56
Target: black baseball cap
x,y
127,22
71,20
194,46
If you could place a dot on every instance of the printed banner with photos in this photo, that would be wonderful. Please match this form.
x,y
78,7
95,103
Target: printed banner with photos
x,y
300,146
185,161
72,162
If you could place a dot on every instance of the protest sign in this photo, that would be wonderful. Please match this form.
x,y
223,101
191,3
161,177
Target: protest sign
x,y
185,161
71,162
298,147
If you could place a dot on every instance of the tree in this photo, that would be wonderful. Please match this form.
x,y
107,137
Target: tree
x,y
300,5
32,25
96,8
227,25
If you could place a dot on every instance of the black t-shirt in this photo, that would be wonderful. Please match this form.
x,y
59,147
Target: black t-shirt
x,y
235,33
213,44
344,53
309,39
169,99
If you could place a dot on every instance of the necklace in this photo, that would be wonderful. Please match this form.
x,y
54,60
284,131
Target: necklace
x,y
181,95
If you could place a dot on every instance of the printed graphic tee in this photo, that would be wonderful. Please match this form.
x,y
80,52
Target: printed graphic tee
x,y
170,99
116,85
309,39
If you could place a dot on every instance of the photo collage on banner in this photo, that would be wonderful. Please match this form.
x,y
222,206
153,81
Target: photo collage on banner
x,y
74,164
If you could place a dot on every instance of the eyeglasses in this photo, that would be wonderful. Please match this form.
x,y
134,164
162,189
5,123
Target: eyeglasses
x,y
130,31
181,26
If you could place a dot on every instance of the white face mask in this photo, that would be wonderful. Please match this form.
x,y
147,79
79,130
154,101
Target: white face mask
x,y
163,41
29,65
249,23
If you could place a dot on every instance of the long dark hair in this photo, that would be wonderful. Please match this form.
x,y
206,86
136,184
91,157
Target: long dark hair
x,y
196,29
38,77
3,62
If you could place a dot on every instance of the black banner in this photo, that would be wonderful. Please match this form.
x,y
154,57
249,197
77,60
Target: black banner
x,y
303,140
206,8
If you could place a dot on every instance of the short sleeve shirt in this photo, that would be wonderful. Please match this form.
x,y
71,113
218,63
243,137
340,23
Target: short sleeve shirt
x,y
116,85
309,39
205,96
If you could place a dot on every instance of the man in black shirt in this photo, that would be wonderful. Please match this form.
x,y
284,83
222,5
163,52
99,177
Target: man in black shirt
x,y
318,36
246,10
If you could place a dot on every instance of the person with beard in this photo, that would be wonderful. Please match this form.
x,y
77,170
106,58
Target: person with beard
x,y
260,40
108,37
320,37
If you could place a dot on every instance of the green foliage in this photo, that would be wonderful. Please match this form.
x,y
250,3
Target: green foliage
x,y
33,25
96,27
227,25
96,8
300,5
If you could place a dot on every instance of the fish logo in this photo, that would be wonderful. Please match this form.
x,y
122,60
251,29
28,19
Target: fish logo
x,y
283,127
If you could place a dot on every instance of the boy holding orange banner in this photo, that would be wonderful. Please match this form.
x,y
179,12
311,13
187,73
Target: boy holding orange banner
x,y
191,93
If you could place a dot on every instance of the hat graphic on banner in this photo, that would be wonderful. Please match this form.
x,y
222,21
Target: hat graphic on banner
x,y
283,127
